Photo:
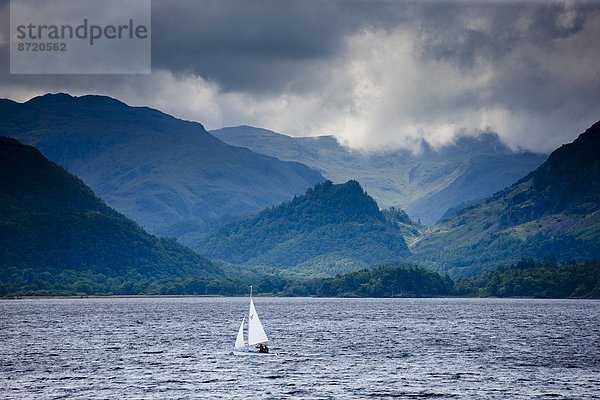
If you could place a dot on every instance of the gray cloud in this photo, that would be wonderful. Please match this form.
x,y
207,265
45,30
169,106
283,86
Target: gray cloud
x,y
258,45
375,74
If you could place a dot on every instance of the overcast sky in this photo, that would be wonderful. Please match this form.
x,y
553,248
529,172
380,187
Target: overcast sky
x,y
376,75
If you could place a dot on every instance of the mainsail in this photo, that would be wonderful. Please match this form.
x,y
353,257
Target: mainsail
x,y
239,341
256,332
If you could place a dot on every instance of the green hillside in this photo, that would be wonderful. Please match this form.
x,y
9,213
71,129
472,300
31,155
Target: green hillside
x,y
329,230
555,210
57,237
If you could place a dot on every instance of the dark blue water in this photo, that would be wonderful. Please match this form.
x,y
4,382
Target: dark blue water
x,y
172,348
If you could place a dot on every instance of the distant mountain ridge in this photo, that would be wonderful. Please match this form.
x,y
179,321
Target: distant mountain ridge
x,y
331,229
154,168
426,185
552,212
56,235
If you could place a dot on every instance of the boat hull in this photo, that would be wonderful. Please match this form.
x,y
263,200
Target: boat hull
x,y
251,352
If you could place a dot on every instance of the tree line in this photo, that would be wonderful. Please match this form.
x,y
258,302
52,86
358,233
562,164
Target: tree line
x,y
527,278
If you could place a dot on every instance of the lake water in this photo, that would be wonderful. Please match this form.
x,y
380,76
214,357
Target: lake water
x,y
176,348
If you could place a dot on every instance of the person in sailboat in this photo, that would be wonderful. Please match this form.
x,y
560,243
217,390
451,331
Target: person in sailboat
x,y
263,348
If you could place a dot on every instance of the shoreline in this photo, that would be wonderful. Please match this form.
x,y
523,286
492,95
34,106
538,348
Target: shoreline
x,y
116,296
174,296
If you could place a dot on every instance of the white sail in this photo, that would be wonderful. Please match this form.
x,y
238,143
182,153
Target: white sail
x,y
256,332
239,341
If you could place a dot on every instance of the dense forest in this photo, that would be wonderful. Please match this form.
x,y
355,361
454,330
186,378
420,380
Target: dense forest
x,y
527,278
384,281
69,282
339,220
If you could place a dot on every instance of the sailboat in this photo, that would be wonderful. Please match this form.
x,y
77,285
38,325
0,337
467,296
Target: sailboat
x,y
256,334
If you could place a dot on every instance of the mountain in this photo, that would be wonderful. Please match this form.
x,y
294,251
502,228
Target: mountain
x,y
152,167
56,236
425,184
331,229
552,212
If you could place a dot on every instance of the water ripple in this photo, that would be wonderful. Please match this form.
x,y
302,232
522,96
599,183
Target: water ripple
x,y
174,348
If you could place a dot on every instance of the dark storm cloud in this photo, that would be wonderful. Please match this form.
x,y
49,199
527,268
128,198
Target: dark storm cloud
x,y
258,45
242,45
